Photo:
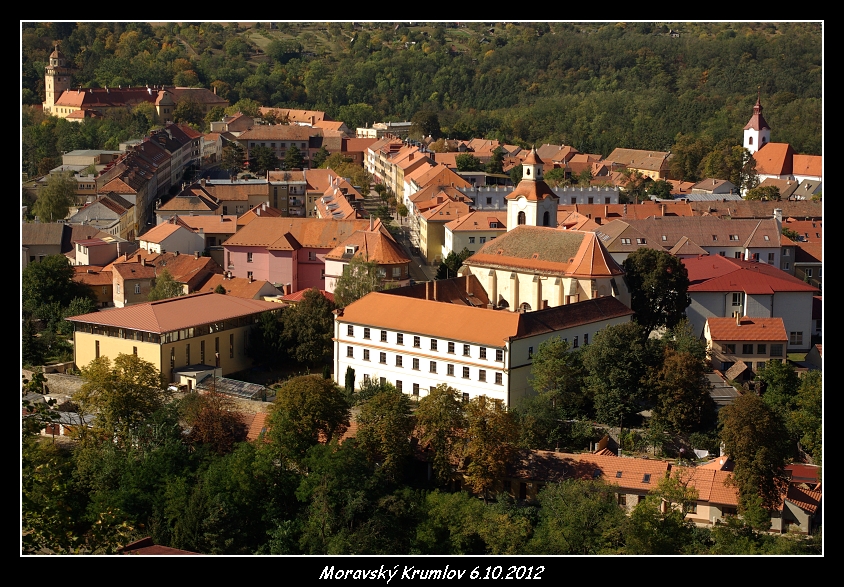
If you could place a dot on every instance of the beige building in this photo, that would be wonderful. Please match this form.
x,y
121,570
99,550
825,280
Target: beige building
x,y
205,329
744,344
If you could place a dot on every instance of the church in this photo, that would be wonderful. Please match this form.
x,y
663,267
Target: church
x,y
535,265
76,104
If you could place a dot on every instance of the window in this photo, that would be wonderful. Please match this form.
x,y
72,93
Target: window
x,y
499,355
483,352
350,331
399,361
481,374
449,369
396,272
737,255
249,275
530,352
366,333
809,273
586,339
664,238
231,346
451,348
216,351
399,338
383,336
187,354
398,385
646,478
416,364
622,499
776,350
483,238
201,352
471,240
466,350
97,353
366,378
432,367
761,349
248,257
489,200
591,201
755,256
747,349
641,241
795,338
714,237
433,344
575,343
786,252
770,258
499,379
625,241
416,389
137,288
350,352
118,288
417,342
722,253
787,266
737,299
135,351
730,349
733,237
382,358
760,365
465,372
365,354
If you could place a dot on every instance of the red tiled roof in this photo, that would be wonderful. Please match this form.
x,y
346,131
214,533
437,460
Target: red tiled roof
x,y
297,296
716,273
756,329
774,159
176,313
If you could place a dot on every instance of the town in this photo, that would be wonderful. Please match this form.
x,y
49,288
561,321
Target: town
x,y
255,329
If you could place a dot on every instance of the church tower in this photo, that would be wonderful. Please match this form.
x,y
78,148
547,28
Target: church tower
x,y
532,203
757,133
56,79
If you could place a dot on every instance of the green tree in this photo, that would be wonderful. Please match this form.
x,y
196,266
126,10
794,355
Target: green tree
x,y
556,177
468,162
49,282
55,198
309,328
682,402
496,162
122,394
165,287
220,289
557,375
768,193
616,364
584,178
578,517
307,409
357,115
780,385
266,341
32,349
190,112
77,307
452,263
806,420
425,123
491,437
359,278
733,163
635,184
232,157
265,159
215,114
659,284
756,438
451,524
516,174
658,524
660,189
439,421
319,158
384,428
216,426
791,234
293,158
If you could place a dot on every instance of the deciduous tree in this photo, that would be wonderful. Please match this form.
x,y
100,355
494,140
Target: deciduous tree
x,y
359,278
309,327
56,198
293,158
659,284
265,159
439,421
491,437
165,287
682,401
385,424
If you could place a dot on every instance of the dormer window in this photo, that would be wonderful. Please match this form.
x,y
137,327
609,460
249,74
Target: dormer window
x,y
646,478
733,237
351,249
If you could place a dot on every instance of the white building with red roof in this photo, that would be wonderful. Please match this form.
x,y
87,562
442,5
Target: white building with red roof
x,y
752,341
720,287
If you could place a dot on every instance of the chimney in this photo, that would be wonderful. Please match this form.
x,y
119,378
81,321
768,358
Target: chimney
x,y
427,290
177,253
139,257
662,210
738,318
435,290
196,254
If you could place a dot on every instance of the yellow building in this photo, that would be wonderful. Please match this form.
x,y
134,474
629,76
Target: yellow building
x,y
205,329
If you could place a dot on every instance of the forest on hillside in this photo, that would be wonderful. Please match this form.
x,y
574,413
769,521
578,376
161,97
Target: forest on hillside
x,y
594,86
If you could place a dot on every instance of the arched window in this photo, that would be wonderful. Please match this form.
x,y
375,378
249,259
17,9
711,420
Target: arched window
x,y
749,140
521,218
527,171
546,218
524,307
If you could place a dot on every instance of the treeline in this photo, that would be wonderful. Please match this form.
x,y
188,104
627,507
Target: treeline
x,y
594,86
179,471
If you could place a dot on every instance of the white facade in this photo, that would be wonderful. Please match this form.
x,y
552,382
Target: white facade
x,y
182,241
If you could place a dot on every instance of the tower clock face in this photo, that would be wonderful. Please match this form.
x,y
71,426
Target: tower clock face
x,y
521,203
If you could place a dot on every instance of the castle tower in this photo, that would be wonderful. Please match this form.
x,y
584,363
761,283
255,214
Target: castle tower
x,y
757,132
532,203
56,79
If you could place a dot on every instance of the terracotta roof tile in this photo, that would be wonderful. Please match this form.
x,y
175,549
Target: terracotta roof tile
x,y
774,159
756,329
716,273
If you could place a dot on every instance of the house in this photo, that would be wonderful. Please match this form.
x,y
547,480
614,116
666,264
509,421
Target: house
x,y
191,271
205,329
132,282
786,187
95,251
720,287
375,245
42,239
417,343
714,187
172,236
683,236
750,341
214,229
735,210
282,137
98,281
717,498
432,224
472,230
110,213
192,200
240,287
653,164
287,250
798,511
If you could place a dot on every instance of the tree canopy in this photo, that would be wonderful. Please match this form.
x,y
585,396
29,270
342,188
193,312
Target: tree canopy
x,y
440,418
309,328
55,198
359,278
659,284
165,287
